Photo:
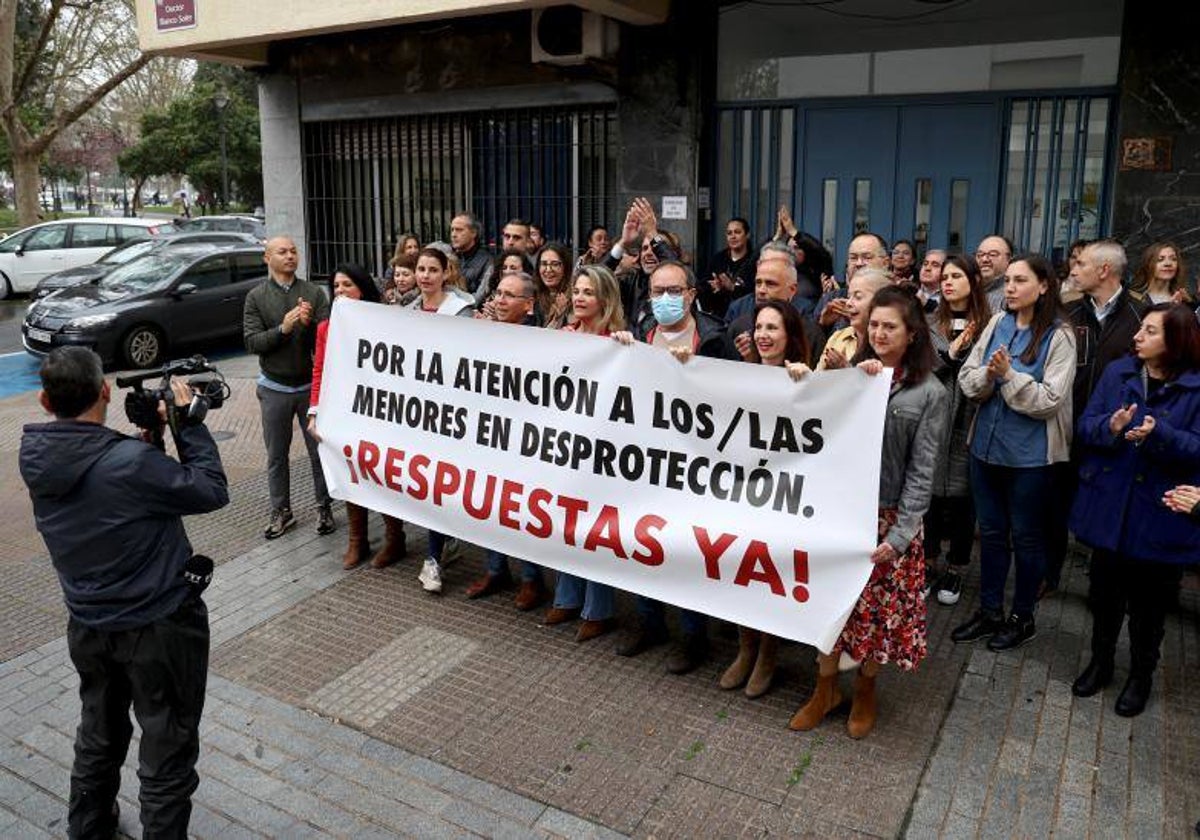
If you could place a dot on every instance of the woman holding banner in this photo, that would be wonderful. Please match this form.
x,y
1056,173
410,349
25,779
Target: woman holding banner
x,y
596,306
438,297
353,283
778,341
888,622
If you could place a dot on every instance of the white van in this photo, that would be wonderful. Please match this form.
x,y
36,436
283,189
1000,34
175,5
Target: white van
x,y
31,254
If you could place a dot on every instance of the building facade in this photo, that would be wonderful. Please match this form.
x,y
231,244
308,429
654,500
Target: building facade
x,y
938,122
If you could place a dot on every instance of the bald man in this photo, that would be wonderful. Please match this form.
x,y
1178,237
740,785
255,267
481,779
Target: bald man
x,y
279,325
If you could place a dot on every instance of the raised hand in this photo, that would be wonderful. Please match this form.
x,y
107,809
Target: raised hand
x,y
1121,418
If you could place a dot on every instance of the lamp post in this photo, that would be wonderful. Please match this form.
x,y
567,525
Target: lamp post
x,y
221,101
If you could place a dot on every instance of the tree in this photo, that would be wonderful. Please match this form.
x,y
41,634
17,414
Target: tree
x,y
58,60
185,137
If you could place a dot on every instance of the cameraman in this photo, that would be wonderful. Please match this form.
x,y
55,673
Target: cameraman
x,y
108,507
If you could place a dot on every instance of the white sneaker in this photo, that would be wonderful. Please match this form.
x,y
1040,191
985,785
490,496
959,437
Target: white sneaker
x,y
431,576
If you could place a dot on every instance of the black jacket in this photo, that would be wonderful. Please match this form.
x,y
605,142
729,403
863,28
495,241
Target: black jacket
x,y
713,342
1096,346
108,507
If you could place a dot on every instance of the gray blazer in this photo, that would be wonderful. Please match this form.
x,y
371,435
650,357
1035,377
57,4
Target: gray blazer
x,y
912,436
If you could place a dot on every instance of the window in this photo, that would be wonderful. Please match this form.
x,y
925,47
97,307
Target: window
x,y
249,267
92,236
13,243
862,205
209,274
1055,179
829,214
960,191
47,238
125,233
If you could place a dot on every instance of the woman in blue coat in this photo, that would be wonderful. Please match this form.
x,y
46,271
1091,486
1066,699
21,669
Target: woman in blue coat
x,y
1140,436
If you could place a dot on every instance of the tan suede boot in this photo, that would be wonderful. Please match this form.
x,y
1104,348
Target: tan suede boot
x,y
357,548
764,667
738,672
394,543
825,698
863,709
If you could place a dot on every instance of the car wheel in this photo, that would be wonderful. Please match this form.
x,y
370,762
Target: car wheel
x,y
143,347
5,288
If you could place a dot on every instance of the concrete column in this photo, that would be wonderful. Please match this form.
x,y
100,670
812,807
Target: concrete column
x,y
283,161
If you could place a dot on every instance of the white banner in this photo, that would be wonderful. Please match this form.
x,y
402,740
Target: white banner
x,y
721,487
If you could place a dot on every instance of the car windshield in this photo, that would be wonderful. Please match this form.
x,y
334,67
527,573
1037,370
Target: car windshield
x,y
126,253
152,271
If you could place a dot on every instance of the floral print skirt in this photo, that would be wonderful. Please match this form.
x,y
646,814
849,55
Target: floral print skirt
x,y
888,622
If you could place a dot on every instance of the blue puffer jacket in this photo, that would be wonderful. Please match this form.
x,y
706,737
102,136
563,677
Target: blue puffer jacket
x,y
1119,504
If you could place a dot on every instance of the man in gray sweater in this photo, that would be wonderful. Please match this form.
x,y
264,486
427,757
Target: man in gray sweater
x,y
279,325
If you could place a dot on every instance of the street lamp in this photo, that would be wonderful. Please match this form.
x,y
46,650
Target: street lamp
x,y
221,101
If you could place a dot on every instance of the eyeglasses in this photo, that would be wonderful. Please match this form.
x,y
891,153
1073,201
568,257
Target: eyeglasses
x,y
674,291
503,295
988,255
551,264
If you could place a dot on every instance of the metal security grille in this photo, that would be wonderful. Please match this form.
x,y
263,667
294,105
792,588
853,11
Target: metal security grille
x,y
1056,180
367,181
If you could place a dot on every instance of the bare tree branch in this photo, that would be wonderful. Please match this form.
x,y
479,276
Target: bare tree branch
x,y
66,118
43,37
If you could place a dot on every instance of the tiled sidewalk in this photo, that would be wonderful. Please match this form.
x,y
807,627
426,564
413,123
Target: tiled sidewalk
x,y
266,768
442,716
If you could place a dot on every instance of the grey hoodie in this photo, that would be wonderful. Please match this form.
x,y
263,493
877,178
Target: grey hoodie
x,y
108,507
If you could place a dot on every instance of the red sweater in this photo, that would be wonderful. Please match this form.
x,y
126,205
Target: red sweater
x,y
314,395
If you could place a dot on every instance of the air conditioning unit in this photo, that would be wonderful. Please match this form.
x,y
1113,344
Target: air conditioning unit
x,y
569,35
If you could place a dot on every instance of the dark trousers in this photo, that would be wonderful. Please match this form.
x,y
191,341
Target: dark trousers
x,y
279,411
1063,481
1010,502
161,669
1143,589
654,618
950,518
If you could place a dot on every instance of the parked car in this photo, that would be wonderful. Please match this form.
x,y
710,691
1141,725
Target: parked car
x,y
168,298
130,251
35,252
232,222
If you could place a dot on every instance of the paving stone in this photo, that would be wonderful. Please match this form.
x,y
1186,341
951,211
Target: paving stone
x,y
375,688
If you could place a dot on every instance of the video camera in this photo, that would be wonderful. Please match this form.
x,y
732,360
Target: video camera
x,y
141,404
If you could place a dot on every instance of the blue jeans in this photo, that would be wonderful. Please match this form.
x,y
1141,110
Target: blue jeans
x,y
654,618
571,592
437,542
1011,503
497,564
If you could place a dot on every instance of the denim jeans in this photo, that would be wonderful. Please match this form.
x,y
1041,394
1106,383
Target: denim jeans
x,y
497,564
596,598
654,619
437,542
1011,503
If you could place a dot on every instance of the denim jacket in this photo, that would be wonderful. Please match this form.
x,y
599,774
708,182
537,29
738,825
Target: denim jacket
x,y
912,434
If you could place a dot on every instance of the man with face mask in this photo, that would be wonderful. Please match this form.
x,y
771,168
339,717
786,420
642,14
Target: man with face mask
x,y
678,326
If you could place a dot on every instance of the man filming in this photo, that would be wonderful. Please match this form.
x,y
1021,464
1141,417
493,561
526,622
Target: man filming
x,y
109,508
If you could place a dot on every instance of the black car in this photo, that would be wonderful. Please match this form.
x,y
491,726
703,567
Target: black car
x,y
171,297
131,251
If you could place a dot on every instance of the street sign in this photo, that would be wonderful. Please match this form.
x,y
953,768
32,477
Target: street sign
x,y
174,14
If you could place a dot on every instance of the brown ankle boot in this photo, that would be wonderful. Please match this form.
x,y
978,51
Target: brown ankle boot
x,y
395,543
357,548
825,698
764,667
862,711
738,672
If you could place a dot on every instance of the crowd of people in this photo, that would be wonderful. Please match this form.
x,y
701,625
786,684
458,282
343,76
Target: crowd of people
x,y
1025,403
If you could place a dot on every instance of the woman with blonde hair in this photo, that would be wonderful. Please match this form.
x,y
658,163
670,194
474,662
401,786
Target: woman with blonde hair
x,y
597,310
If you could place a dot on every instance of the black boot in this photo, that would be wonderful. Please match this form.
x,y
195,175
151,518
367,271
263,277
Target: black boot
x,y
1095,677
981,625
1134,695
1018,630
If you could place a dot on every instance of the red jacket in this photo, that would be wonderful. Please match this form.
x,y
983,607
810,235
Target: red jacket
x,y
314,396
